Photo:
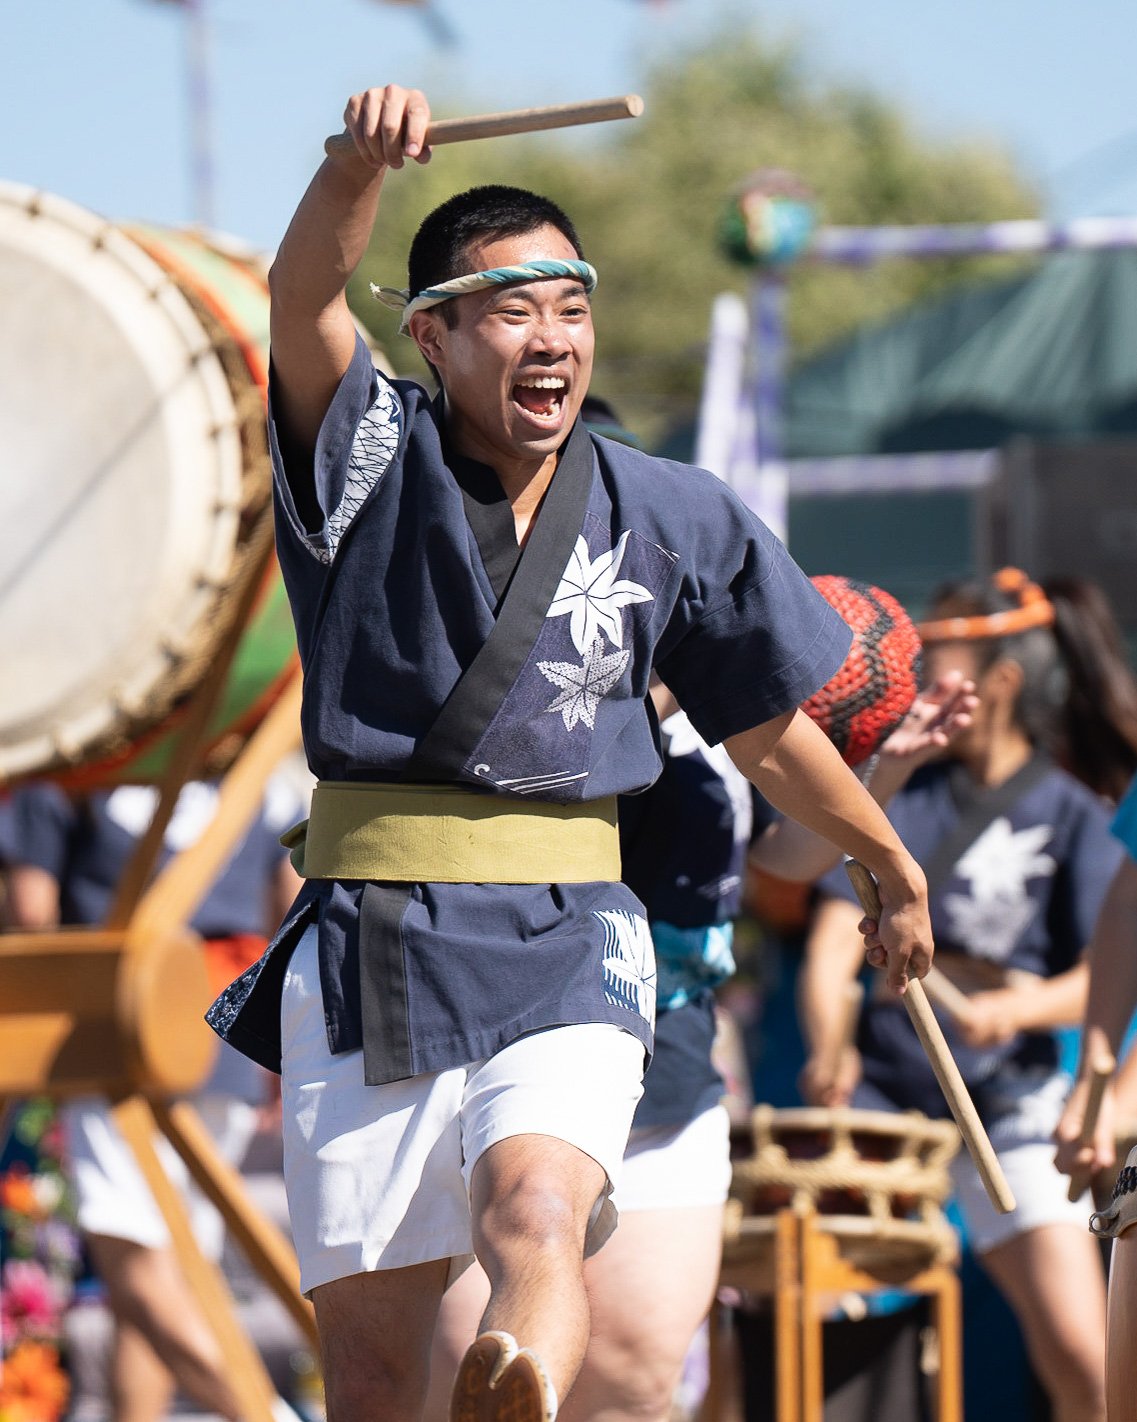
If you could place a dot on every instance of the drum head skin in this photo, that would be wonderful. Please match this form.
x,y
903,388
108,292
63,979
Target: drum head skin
x,y
122,481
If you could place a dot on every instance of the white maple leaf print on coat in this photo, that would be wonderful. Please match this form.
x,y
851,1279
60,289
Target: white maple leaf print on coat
x,y
591,595
584,687
629,961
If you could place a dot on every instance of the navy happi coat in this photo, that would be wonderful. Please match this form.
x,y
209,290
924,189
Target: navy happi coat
x,y
434,651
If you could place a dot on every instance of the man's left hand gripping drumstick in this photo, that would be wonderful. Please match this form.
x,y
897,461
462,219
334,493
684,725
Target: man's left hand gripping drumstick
x,y
943,1064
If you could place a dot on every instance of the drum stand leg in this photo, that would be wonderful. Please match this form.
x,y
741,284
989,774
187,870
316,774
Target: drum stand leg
x,y
245,1370
721,1402
948,1322
259,1239
812,1365
788,1316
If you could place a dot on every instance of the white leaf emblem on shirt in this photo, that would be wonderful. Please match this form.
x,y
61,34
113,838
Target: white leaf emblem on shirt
x,y
629,961
991,918
1002,859
583,686
591,595
988,927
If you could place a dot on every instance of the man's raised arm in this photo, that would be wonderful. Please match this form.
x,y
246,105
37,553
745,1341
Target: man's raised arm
x,y
312,333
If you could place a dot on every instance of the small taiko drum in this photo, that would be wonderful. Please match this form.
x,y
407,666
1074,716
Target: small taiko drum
x,y
133,369
876,1181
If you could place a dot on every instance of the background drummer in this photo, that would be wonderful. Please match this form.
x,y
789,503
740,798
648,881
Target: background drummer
x,y
64,858
1023,892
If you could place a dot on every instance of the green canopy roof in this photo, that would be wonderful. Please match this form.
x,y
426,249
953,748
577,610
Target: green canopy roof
x,y
1051,355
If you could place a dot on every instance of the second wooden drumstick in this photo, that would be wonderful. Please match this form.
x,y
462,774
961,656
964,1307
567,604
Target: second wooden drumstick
x,y
944,994
943,1063
1099,1079
462,130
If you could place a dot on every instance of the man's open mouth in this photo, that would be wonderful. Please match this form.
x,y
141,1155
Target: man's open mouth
x,y
541,395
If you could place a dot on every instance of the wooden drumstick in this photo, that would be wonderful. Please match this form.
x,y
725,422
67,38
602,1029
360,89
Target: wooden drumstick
x,y
944,994
943,1063
462,130
1100,1075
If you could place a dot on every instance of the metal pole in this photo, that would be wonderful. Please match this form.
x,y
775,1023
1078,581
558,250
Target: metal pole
x,y
199,91
722,385
770,498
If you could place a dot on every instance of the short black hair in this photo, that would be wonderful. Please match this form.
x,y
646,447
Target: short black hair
x,y
441,245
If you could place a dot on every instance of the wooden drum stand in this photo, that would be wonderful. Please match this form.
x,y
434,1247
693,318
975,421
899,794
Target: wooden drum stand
x,y
117,1010
804,1228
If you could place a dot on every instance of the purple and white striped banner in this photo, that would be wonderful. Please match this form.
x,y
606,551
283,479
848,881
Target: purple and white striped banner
x,y
861,245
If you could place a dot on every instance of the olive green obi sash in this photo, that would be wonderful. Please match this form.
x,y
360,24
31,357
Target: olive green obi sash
x,y
444,834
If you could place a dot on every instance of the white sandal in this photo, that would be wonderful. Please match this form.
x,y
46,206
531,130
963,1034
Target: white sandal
x,y
1121,1212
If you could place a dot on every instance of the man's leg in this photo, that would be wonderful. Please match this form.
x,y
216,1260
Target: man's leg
x,y
463,1305
532,1198
649,1289
1121,1356
545,1122
1052,1278
148,1293
141,1386
375,1332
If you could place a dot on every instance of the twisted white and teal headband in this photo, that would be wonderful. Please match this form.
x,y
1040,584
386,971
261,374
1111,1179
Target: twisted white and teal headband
x,y
478,281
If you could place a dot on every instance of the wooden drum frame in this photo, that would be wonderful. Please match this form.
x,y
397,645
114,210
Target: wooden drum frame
x,y
832,1202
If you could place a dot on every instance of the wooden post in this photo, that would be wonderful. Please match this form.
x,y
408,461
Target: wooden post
x,y
947,1317
787,1317
262,1243
246,1372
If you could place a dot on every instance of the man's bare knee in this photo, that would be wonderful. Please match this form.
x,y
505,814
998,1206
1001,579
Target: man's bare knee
x,y
533,1215
533,1194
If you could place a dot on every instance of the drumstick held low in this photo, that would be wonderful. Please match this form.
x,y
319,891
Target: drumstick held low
x,y
462,130
944,994
1100,1075
943,1064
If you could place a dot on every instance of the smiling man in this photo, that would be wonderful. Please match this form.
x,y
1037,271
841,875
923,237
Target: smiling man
x,y
461,1000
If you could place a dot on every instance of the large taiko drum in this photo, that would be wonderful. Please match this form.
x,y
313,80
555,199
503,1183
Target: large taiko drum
x,y
876,1180
133,368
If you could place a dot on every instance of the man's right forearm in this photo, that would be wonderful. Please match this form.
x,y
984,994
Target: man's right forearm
x,y
328,235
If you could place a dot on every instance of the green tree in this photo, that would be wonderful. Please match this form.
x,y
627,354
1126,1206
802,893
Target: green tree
x,y
647,197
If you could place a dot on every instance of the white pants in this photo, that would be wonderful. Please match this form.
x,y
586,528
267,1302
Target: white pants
x,y
378,1177
675,1167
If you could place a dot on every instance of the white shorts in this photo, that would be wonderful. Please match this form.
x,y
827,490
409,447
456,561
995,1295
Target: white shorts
x,y
111,1195
1022,1139
378,1177
675,1167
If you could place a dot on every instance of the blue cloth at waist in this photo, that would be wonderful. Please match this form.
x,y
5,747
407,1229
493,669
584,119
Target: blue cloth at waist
x,y
690,960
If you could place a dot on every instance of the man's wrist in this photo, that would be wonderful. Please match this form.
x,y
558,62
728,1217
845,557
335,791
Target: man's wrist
x,y
900,878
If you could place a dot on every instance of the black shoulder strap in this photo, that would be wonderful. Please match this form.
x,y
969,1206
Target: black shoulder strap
x,y
468,710
980,808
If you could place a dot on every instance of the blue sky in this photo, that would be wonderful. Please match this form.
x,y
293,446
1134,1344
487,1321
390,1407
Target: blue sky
x,y
93,100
